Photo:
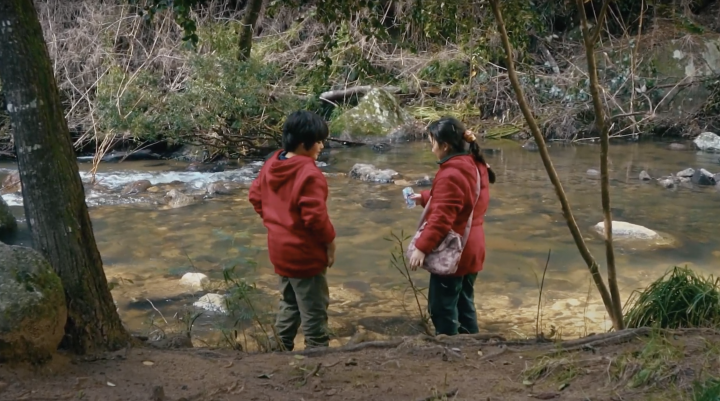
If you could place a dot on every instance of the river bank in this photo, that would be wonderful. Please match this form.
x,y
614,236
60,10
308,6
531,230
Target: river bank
x,y
154,91
644,365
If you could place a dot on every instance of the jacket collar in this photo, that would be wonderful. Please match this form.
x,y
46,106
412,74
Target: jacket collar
x,y
450,156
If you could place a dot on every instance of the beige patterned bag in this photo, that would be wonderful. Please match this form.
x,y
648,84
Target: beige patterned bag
x,y
444,259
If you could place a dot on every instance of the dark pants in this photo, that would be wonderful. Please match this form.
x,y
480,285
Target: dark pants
x,y
451,304
304,303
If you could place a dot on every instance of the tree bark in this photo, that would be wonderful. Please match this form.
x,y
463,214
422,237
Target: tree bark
x,y
252,12
552,174
590,38
53,193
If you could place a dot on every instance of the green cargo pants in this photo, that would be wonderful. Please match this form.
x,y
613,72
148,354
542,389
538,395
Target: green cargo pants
x,y
451,303
304,303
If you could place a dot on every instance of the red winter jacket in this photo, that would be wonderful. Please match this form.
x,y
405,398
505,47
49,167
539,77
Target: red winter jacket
x,y
453,196
290,195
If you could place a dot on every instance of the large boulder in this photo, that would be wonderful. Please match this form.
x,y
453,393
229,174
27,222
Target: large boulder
x,y
32,306
378,115
624,230
636,236
708,142
370,173
8,224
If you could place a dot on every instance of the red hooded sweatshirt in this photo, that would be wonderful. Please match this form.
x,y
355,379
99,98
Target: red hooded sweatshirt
x,y
453,197
290,195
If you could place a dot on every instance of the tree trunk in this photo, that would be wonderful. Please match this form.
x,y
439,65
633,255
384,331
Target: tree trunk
x,y
590,38
252,12
551,172
53,193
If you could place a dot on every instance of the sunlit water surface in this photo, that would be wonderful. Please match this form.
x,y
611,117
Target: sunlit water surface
x,y
147,248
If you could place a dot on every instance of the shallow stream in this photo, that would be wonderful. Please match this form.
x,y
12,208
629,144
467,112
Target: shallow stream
x,y
147,247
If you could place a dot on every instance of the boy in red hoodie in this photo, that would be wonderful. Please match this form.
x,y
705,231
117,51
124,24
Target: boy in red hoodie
x,y
290,195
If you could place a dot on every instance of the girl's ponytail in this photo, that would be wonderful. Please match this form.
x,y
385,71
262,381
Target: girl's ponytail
x,y
477,154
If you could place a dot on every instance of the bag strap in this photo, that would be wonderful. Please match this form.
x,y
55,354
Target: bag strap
x,y
468,228
477,198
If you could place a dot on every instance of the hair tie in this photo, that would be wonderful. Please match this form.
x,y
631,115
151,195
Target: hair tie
x,y
469,136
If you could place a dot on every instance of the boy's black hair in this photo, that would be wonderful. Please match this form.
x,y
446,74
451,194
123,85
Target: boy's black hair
x,y
303,128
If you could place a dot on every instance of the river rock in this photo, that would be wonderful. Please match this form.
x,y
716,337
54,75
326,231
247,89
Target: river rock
x,y
370,173
194,281
136,187
687,173
191,153
624,230
8,224
217,188
530,145
212,302
703,177
377,115
708,142
677,146
11,183
645,176
32,306
179,199
667,182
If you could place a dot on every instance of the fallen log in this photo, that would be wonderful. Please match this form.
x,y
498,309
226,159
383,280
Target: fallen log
x,y
344,94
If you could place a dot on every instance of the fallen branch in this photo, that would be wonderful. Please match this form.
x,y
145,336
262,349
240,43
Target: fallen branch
x,y
344,94
616,337
311,374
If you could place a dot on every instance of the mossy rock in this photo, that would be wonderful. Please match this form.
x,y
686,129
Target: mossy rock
x,y
378,115
8,224
32,306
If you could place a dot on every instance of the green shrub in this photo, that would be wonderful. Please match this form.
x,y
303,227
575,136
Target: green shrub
x,y
224,103
679,299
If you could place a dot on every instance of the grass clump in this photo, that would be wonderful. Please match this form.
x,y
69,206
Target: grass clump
x,y
656,363
679,299
708,390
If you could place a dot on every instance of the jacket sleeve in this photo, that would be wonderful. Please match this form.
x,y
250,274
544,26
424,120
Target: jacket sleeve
x,y
255,195
313,207
447,202
424,197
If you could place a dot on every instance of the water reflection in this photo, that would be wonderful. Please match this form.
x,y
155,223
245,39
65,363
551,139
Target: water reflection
x,y
153,248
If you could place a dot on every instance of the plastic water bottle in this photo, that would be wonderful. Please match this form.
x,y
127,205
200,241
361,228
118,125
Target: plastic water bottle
x,y
407,192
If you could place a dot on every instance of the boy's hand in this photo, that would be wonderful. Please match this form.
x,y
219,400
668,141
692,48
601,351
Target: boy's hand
x,y
415,196
331,254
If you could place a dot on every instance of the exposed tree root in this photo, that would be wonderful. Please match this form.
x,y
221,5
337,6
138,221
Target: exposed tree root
x,y
591,342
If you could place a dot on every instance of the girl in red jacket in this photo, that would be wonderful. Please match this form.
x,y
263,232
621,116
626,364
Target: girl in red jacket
x,y
451,298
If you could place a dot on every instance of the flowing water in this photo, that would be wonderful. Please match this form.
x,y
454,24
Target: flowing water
x,y
146,248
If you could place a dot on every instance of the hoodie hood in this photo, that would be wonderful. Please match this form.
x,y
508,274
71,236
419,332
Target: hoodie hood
x,y
279,172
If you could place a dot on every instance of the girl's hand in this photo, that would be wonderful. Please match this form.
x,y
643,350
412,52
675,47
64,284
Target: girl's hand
x,y
416,259
415,196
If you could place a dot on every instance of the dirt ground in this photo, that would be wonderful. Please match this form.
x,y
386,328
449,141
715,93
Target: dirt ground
x,y
631,366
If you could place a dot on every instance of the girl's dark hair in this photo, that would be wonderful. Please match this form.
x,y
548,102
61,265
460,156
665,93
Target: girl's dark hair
x,y
450,131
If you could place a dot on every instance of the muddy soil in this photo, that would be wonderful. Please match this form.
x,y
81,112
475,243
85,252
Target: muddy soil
x,y
642,366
